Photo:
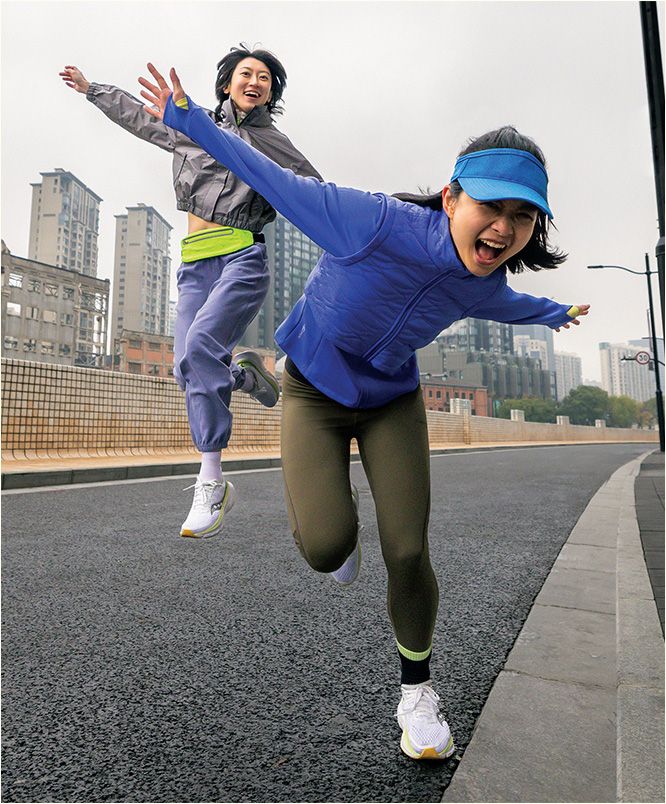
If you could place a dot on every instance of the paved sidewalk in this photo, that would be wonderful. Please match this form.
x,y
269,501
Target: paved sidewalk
x,y
577,714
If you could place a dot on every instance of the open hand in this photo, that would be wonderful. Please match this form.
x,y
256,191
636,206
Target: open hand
x,y
583,309
74,78
158,95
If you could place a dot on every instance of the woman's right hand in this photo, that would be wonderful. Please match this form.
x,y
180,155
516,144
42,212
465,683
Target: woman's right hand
x,y
158,95
74,78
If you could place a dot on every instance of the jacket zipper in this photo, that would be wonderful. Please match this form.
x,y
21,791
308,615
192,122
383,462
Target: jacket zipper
x,y
215,233
382,342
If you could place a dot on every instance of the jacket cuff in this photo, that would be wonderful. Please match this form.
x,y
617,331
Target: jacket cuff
x,y
573,312
92,91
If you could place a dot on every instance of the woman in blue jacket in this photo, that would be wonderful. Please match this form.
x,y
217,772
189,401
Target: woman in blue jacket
x,y
394,274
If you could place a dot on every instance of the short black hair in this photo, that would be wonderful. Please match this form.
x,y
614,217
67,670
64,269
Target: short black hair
x,y
538,253
227,65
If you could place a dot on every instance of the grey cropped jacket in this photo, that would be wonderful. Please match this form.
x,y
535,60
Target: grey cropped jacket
x,y
203,186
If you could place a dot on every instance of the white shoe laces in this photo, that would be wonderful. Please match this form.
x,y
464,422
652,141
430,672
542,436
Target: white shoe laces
x,y
203,491
423,704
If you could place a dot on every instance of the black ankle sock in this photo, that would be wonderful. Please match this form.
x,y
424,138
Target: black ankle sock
x,y
414,672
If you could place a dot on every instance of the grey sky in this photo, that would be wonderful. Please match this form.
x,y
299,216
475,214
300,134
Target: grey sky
x,y
380,96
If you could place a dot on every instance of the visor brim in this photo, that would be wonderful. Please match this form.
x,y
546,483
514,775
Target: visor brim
x,y
500,189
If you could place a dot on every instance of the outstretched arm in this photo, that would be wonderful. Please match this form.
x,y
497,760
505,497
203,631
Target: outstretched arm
x,y
120,107
509,307
340,220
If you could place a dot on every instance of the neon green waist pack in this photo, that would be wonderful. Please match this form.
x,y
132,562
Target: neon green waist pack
x,y
214,242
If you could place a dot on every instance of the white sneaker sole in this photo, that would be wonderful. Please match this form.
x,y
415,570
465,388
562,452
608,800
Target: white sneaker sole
x,y
426,753
212,530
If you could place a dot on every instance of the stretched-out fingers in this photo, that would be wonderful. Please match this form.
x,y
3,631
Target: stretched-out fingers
x,y
151,87
157,76
150,97
153,112
178,91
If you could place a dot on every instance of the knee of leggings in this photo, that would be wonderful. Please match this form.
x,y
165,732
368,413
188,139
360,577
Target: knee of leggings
x,y
406,559
325,551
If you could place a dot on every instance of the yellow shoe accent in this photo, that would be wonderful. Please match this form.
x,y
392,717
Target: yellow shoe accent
x,y
427,753
211,530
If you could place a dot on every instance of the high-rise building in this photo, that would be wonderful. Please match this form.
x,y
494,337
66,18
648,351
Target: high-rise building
x,y
569,371
172,316
625,377
645,345
51,314
64,223
539,332
291,256
141,273
480,353
506,376
478,335
525,346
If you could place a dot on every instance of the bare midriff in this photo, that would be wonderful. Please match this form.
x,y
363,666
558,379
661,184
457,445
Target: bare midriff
x,y
196,224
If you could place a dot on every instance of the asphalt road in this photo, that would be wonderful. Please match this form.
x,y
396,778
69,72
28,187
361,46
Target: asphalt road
x,y
138,666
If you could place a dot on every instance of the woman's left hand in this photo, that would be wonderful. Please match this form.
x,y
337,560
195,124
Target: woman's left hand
x,y
159,95
583,309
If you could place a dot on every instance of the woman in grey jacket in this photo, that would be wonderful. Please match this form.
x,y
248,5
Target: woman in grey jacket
x,y
224,275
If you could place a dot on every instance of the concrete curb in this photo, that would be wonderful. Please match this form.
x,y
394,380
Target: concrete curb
x,y
591,647
98,474
640,666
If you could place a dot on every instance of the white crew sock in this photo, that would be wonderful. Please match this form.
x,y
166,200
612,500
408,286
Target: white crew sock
x,y
211,468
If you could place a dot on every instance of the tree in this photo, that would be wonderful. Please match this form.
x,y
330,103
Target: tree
x,y
624,411
648,413
536,410
585,404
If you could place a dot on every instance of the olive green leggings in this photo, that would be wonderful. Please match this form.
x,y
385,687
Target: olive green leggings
x,y
393,444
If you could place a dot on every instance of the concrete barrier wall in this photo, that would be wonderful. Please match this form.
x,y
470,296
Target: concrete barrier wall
x,y
487,429
56,411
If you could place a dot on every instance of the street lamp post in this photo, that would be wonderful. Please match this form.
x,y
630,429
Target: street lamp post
x,y
655,354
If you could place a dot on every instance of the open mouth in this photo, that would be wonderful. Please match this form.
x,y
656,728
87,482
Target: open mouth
x,y
488,251
251,94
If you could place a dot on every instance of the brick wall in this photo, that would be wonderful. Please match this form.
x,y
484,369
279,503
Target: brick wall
x,y
53,411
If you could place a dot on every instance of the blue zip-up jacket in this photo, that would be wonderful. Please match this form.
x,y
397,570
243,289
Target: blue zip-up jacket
x,y
389,282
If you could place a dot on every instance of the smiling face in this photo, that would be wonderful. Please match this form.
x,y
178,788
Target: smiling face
x,y
250,84
488,233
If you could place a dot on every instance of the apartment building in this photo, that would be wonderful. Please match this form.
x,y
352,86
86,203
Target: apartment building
x,y
64,223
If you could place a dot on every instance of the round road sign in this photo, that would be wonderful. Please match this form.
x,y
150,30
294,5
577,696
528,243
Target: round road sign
x,y
642,357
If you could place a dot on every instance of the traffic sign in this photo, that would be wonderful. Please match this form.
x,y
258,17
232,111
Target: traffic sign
x,y
643,358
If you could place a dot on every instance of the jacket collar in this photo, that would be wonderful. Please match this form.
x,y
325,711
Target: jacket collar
x,y
259,117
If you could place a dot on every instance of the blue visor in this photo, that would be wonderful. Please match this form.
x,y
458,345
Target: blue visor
x,y
499,173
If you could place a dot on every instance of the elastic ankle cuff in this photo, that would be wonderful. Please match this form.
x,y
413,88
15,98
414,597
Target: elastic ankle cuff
x,y
413,655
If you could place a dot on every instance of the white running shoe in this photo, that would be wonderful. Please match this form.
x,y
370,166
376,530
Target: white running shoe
x,y
265,389
349,571
212,500
425,733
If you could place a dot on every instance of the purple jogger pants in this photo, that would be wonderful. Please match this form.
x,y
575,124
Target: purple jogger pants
x,y
217,299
